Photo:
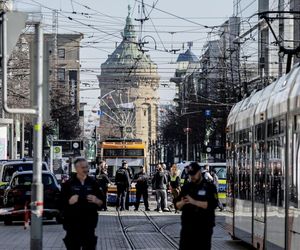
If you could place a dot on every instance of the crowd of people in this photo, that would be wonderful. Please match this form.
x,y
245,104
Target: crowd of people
x,y
194,192
163,182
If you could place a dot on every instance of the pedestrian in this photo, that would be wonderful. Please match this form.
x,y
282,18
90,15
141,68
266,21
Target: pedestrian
x,y
216,183
167,174
141,186
185,176
174,181
80,199
159,184
130,175
103,181
205,172
123,185
197,200
100,166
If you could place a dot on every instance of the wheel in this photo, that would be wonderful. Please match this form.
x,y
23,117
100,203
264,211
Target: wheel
x,y
7,220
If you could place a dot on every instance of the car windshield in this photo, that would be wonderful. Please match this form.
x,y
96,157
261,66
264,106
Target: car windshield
x,y
26,180
221,172
9,169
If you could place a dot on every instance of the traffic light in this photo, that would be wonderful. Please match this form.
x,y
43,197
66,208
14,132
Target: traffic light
x,y
262,116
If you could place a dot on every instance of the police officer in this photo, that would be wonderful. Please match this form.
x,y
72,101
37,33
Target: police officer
x,y
80,199
123,185
141,186
197,200
104,182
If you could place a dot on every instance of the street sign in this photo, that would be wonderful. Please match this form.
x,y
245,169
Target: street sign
x,y
207,113
100,113
57,152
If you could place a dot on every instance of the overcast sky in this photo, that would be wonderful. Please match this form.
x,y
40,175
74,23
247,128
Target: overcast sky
x,y
172,23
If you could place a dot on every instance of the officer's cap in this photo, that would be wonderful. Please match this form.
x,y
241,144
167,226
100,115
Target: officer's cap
x,y
194,167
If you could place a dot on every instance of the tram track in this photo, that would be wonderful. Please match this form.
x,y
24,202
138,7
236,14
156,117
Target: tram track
x,y
125,231
160,230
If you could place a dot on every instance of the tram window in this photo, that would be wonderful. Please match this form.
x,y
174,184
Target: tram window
x,y
259,174
260,132
244,179
275,173
282,126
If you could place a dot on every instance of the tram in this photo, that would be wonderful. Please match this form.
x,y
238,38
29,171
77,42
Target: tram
x,y
263,157
114,151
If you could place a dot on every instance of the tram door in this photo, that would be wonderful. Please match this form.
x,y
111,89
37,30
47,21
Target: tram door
x,y
294,178
259,190
275,190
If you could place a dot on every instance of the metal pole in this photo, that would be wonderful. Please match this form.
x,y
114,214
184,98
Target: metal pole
x,y
22,137
11,141
36,242
187,139
4,61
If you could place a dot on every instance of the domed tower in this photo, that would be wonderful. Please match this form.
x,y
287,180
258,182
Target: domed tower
x,y
129,96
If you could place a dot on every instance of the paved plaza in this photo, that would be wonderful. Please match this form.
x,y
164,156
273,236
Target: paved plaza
x,y
127,230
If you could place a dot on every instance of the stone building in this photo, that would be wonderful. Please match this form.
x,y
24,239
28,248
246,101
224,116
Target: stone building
x,y
62,79
128,85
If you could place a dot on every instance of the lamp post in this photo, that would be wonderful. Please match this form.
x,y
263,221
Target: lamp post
x,y
187,130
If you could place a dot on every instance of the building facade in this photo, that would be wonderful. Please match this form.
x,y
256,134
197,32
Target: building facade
x,y
129,98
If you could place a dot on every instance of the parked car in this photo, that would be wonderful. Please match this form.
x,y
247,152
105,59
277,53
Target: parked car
x,y
17,197
8,168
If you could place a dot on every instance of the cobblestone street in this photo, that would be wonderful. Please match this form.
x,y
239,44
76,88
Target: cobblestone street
x,y
128,230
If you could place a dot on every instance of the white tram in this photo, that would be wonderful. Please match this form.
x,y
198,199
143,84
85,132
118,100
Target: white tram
x,y
263,158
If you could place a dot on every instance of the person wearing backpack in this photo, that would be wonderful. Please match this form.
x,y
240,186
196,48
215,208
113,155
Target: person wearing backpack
x,y
123,184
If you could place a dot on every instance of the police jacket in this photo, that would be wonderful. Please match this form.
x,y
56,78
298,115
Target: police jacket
x,y
82,212
141,180
103,181
122,178
192,216
174,181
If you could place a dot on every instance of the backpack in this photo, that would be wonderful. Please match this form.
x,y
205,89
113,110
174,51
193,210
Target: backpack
x,y
121,177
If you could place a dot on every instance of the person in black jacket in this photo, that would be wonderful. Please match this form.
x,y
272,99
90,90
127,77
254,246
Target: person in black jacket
x,y
197,200
141,186
159,184
103,181
123,185
80,199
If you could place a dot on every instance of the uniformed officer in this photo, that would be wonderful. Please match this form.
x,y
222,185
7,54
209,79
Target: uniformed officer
x,y
141,186
197,200
80,197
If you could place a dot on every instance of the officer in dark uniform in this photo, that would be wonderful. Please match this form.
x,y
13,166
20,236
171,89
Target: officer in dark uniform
x,y
80,199
197,200
141,186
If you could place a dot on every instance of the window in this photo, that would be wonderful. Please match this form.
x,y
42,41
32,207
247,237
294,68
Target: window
x,y
26,180
9,169
275,172
123,152
61,75
259,173
61,53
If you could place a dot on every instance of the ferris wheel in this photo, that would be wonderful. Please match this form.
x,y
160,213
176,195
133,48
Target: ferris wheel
x,y
117,108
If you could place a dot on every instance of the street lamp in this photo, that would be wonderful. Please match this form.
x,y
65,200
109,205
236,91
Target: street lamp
x,y
187,130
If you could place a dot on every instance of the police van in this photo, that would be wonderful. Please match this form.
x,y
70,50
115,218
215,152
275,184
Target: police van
x,y
221,170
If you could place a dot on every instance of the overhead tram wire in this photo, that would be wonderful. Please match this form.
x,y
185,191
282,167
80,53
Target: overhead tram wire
x,y
176,16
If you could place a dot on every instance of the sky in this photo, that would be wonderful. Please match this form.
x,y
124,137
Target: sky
x,y
172,24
